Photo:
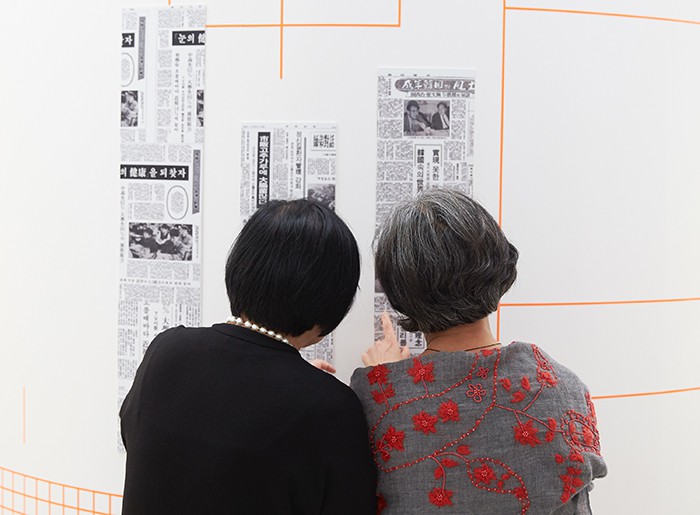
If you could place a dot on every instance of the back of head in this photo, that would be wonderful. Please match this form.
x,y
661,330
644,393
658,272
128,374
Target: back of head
x,y
294,265
443,261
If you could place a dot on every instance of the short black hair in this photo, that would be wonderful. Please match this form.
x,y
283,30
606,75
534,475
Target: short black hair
x,y
294,265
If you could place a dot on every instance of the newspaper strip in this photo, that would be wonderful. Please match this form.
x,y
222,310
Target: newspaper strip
x,y
425,138
162,135
284,161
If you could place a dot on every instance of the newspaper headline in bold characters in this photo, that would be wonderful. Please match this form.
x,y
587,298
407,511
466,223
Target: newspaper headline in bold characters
x,y
425,139
160,171
286,162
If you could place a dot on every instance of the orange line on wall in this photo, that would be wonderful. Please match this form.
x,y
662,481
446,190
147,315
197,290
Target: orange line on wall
x,y
600,13
240,25
498,323
645,394
595,303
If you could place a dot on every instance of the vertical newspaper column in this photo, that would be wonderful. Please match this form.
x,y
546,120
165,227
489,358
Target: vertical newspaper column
x,y
286,162
425,138
162,137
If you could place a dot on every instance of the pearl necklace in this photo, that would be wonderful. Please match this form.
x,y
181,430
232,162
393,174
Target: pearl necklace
x,y
258,328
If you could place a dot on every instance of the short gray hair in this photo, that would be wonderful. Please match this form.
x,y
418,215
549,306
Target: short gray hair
x,y
443,261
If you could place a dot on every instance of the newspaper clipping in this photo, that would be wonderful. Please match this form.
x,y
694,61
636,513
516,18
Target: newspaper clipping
x,y
162,135
285,162
425,138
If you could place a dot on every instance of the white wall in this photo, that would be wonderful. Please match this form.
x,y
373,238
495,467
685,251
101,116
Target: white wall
x,y
600,193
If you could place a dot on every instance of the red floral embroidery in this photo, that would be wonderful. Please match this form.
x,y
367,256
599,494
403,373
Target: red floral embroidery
x,y
476,392
559,458
439,472
381,504
440,497
551,424
520,493
517,397
449,411
549,436
505,383
464,450
484,474
394,438
449,463
525,383
546,378
424,422
380,397
421,372
526,434
378,374
575,456
384,450
487,352
571,482
483,372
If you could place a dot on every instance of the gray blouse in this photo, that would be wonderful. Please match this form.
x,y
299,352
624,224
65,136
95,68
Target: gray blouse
x,y
501,431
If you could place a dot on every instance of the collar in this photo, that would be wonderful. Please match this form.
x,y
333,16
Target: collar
x,y
250,336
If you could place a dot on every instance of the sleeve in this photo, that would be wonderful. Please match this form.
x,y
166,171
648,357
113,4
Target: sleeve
x,y
350,475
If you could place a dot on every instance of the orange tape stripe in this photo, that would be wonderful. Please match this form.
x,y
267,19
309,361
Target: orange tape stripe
x,y
600,13
645,394
240,25
595,303
58,484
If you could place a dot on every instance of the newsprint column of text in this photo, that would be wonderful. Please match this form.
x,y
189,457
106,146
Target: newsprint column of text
x,y
287,161
162,138
425,139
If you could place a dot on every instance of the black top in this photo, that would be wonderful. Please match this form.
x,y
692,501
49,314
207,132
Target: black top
x,y
226,420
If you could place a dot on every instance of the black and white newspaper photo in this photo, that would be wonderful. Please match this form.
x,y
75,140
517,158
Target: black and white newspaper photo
x,y
425,138
162,136
287,161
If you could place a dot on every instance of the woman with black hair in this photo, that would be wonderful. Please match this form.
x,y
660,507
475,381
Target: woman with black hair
x,y
231,418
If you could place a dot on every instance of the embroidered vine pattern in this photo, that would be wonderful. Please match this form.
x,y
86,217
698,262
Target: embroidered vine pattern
x,y
577,430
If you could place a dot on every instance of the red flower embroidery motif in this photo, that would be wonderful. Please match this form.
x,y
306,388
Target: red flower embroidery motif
x,y
517,397
378,374
525,383
559,458
551,424
464,450
421,372
394,438
588,437
424,422
487,352
526,434
484,474
549,436
449,463
575,456
476,392
505,383
440,497
483,372
545,377
449,411
381,504
381,397
383,450
520,493
571,482
439,472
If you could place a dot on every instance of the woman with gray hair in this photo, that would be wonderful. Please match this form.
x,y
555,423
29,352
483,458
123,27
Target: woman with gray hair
x,y
470,425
